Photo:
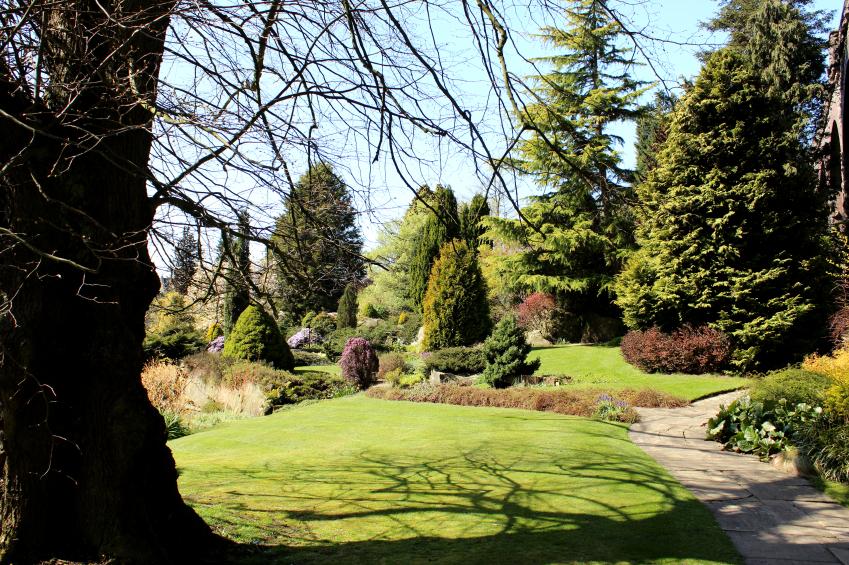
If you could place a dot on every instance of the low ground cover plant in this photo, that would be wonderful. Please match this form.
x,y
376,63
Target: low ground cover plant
x,y
584,402
688,350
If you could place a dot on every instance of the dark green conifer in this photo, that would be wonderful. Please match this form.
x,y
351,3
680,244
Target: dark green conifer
x,y
441,226
506,352
346,316
255,337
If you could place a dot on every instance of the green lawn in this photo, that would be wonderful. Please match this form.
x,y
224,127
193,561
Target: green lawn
x,y
599,366
358,480
332,369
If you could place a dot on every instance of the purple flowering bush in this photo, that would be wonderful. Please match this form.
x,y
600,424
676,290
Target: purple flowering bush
x,y
359,363
216,345
304,338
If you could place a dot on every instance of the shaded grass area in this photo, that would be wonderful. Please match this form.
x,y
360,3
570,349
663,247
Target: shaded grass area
x,y
838,491
599,366
359,480
332,369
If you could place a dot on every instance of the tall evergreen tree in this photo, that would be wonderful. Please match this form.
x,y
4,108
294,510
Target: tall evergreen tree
x,y
456,311
580,231
733,231
317,244
237,259
346,315
441,226
185,262
783,42
652,131
470,215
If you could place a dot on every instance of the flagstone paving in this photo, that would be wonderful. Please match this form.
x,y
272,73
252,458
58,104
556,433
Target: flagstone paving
x,y
771,517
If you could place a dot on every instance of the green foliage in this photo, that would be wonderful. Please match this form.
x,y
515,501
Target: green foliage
x,y
456,311
796,386
213,331
175,427
784,42
469,216
185,262
237,261
506,353
825,442
440,227
455,360
761,428
170,332
578,234
323,323
652,131
255,337
316,243
346,315
733,233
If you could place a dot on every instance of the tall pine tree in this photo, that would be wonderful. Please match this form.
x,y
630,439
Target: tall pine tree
x,y
185,262
316,244
237,260
580,231
441,226
733,231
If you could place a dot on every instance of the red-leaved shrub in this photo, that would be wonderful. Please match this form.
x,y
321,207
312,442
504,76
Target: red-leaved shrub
x,y
359,363
536,313
686,350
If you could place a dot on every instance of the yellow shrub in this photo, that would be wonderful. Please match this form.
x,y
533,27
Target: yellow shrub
x,y
835,367
165,385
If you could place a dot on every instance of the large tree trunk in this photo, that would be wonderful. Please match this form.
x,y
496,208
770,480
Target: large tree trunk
x,y
84,469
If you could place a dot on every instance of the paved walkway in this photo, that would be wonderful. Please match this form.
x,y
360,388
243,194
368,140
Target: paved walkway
x,y
771,517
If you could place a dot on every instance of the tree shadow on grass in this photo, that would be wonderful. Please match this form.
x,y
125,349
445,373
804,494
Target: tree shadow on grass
x,y
468,508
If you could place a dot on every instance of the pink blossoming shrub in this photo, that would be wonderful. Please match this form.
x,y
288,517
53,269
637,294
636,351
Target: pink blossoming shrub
x,y
359,363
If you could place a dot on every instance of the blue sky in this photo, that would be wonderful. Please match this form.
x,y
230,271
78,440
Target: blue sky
x,y
676,20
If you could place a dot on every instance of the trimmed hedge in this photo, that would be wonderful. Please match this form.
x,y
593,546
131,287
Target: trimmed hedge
x,y
455,360
694,351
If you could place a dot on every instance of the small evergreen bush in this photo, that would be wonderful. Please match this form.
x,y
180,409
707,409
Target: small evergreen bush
x,y
506,353
796,386
455,360
693,351
174,343
359,363
255,337
215,330
323,324
391,362
346,315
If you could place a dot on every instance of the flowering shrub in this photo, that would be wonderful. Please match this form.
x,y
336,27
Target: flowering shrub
x,y
216,345
536,313
304,338
686,350
612,409
359,363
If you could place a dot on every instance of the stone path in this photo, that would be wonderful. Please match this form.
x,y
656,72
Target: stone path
x,y
771,517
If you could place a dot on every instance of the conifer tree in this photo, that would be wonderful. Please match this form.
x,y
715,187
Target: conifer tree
x,y
441,226
317,244
255,337
470,215
506,352
456,311
346,315
580,230
652,131
237,295
185,262
733,231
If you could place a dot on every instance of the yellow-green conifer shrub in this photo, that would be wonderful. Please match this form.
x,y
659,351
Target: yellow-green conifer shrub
x,y
456,311
255,337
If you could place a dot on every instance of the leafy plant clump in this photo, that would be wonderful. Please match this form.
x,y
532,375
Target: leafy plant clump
x,y
796,386
761,428
506,353
688,350
611,409
173,344
455,360
359,363
255,337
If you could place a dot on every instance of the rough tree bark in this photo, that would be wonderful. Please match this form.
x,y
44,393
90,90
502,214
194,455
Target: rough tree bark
x,y
84,469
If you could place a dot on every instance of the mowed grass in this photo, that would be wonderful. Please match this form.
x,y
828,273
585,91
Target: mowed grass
x,y
359,480
599,366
